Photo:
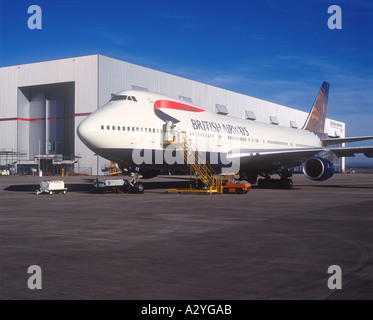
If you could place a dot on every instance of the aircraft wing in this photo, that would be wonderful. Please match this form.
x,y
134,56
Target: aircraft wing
x,y
334,141
351,151
271,159
262,158
295,154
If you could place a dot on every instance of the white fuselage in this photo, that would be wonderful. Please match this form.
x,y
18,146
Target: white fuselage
x,y
136,120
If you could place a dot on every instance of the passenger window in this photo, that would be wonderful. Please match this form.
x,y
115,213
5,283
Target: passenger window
x,y
133,128
118,128
128,129
124,128
153,130
142,129
102,127
108,127
113,127
137,129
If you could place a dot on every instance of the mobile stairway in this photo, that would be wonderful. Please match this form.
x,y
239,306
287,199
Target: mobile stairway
x,y
195,161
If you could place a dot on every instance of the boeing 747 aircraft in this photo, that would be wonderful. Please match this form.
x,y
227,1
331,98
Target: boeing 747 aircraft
x,y
137,128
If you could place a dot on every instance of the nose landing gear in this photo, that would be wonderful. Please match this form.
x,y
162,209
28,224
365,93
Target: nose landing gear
x,y
136,186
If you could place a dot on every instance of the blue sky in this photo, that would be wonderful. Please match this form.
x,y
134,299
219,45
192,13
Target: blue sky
x,y
280,51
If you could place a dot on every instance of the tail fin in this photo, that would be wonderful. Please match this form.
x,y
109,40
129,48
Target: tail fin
x,y
316,119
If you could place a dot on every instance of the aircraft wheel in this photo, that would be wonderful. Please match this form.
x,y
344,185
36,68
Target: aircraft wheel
x,y
260,183
289,183
126,188
267,183
277,184
139,187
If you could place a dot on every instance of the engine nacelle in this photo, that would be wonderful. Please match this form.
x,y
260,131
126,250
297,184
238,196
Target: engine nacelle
x,y
318,169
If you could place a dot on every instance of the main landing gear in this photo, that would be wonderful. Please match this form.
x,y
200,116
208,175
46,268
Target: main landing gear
x,y
283,183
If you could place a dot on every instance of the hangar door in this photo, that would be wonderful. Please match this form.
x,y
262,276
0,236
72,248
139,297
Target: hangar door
x,y
46,120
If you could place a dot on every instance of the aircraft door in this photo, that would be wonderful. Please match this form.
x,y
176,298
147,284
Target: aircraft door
x,y
168,134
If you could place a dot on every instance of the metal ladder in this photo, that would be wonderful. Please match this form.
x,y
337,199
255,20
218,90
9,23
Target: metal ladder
x,y
197,163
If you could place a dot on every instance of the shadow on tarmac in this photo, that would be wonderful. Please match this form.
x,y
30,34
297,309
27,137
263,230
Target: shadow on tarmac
x,y
343,187
88,187
162,183
33,187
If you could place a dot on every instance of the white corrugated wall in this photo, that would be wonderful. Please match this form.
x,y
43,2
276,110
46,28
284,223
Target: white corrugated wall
x,y
116,75
96,77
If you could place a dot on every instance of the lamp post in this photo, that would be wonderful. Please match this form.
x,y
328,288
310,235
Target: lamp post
x,y
39,160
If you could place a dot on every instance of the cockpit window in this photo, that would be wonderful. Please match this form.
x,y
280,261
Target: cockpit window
x,y
123,97
118,98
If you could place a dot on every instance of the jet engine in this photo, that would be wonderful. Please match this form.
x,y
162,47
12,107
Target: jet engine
x,y
318,169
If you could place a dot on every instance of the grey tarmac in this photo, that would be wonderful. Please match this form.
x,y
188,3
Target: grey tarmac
x,y
267,244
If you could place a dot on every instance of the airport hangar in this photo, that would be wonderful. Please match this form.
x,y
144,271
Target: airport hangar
x,y
42,104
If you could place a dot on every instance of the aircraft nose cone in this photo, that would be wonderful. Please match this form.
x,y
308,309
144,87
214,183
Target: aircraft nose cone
x,y
86,132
